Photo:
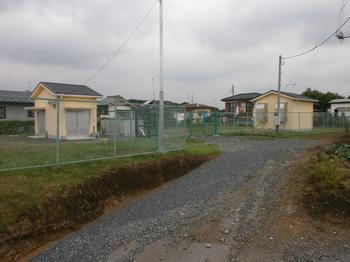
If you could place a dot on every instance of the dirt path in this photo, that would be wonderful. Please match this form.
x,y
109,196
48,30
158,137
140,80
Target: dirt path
x,y
231,208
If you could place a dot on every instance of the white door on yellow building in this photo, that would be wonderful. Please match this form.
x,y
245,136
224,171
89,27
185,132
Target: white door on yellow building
x,y
77,123
41,122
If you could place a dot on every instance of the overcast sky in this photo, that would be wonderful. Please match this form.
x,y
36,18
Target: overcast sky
x,y
209,45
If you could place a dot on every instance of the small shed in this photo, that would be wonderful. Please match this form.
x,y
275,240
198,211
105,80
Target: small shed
x,y
12,104
117,116
296,111
74,105
340,107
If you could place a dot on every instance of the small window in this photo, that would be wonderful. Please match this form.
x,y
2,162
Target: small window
x,y
261,112
243,107
2,112
30,113
283,106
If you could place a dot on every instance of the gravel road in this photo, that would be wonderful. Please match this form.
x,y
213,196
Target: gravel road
x,y
178,213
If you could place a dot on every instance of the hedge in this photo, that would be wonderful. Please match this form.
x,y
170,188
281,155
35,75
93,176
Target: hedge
x,y
17,127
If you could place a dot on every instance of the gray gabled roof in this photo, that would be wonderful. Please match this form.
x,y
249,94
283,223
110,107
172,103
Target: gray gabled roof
x,y
241,97
15,96
340,101
156,102
299,97
292,95
70,89
111,100
197,105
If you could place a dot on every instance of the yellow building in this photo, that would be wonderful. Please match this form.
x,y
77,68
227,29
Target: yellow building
x,y
73,105
296,111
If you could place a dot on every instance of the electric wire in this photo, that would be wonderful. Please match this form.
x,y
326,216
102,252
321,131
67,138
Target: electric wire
x,y
320,43
338,17
341,12
100,69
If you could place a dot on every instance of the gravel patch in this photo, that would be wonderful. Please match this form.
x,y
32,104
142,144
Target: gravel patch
x,y
172,208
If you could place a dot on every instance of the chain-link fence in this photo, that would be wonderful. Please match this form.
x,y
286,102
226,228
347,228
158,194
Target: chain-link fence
x,y
57,131
221,123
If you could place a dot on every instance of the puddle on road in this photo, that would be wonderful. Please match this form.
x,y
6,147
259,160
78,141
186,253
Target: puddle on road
x,y
165,250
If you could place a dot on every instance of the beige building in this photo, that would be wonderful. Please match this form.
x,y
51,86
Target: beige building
x,y
296,111
73,105
116,107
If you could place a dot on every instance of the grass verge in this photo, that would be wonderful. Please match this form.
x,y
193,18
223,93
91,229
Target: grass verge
x,y
35,203
268,134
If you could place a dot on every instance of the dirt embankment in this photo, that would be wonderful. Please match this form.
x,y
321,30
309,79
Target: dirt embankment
x,y
67,210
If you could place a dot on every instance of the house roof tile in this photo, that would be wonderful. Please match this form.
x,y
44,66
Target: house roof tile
x,y
15,96
240,97
70,89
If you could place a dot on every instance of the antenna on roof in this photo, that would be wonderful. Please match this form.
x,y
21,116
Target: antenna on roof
x,y
192,98
29,86
233,90
153,98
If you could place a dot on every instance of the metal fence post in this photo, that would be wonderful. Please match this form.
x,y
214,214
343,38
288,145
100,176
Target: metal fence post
x,y
216,123
323,119
57,131
246,120
115,133
190,123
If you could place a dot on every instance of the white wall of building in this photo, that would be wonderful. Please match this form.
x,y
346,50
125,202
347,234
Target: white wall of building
x,y
341,108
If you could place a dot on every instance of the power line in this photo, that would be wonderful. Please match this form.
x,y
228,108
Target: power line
x,y
123,44
318,44
341,11
338,17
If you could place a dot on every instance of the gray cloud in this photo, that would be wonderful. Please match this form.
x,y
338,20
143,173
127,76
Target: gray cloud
x,y
208,45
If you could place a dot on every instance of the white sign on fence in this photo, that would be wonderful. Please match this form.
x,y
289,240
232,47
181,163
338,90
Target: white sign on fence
x,y
277,119
180,116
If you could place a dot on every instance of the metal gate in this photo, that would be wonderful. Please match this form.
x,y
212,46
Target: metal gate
x,y
77,123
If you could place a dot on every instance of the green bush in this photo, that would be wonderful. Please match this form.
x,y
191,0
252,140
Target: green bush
x,y
17,127
340,150
327,171
329,188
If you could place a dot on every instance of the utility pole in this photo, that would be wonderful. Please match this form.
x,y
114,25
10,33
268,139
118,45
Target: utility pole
x,y
161,90
277,114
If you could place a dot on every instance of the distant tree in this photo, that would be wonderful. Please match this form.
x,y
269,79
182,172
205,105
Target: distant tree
x,y
323,98
137,101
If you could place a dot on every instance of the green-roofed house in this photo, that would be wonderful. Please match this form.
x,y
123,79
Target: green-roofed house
x,y
13,103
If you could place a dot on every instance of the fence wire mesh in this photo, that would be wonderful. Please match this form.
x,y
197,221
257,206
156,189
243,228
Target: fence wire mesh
x,y
48,132
221,123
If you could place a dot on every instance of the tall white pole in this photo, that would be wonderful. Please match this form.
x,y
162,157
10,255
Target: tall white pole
x,y
278,113
161,82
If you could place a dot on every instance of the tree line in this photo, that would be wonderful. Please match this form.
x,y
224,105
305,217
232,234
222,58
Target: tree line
x,y
323,98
